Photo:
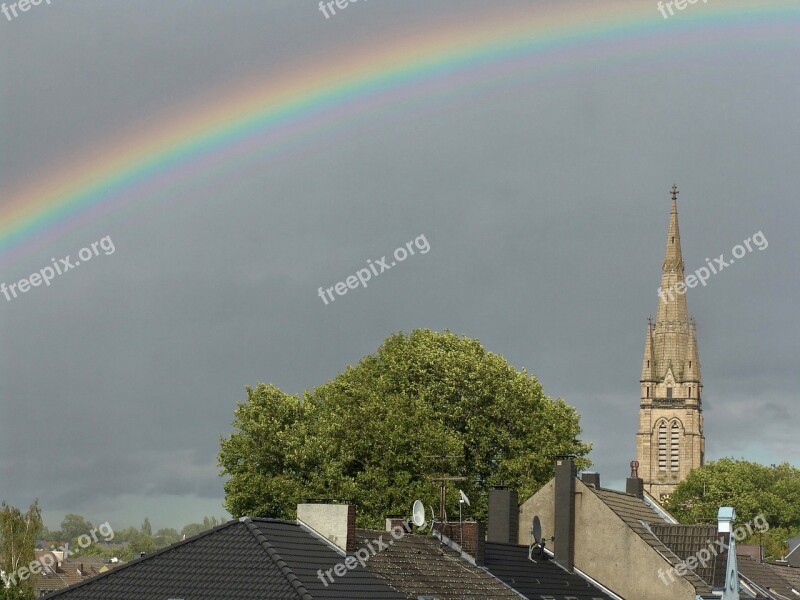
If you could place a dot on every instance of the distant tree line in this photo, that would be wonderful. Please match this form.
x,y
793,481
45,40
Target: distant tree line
x,y
752,489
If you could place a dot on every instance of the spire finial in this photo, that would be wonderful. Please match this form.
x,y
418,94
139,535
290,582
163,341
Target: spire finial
x,y
675,192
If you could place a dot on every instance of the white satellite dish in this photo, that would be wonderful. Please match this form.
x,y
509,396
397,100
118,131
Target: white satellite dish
x,y
418,513
464,499
537,530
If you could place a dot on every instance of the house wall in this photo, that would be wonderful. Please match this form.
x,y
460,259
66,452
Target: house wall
x,y
606,549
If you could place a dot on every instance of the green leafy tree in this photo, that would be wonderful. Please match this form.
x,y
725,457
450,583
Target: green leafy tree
x,y
18,534
166,536
192,529
141,542
425,402
752,489
147,529
195,528
74,526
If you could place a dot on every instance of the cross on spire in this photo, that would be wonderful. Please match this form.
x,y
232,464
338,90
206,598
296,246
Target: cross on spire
x,y
675,192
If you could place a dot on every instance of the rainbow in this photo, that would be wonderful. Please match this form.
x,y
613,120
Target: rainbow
x,y
188,140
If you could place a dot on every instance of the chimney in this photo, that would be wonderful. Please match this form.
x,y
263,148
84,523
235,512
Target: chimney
x,y
503,515
480,543
566,473
726,515
335,522
590,478
634,485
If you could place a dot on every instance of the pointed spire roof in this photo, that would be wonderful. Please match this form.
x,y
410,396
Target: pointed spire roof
x,y
648,362
671,332
673,259
692,355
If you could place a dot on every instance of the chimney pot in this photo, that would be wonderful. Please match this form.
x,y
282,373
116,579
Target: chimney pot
x,y
634,485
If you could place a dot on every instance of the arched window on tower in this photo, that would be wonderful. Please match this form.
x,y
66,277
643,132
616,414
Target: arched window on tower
x,y
675,447
662,446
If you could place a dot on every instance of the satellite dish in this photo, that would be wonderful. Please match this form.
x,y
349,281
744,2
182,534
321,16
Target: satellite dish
x,y
464,498
418,513
537,530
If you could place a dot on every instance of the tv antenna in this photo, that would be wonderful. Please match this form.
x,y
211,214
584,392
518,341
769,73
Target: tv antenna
x,y
443,479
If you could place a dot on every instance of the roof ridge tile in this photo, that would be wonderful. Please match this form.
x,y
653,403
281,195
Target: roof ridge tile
x,y
277,559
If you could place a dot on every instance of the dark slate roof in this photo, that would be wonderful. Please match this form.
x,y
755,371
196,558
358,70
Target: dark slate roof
x,y
306,554
689,540
538,578
794,551
419,565
250,559
788,573
761,575
639,516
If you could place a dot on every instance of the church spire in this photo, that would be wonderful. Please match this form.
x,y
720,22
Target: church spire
x,y
671,333
670,441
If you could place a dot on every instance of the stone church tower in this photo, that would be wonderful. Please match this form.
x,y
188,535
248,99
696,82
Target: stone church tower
x,y
670,440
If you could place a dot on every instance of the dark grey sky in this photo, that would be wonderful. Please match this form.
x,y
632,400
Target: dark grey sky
x,y
543,195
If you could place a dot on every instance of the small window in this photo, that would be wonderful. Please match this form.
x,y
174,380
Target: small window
x,y
648,392
669,392
673,240
690,364
648,364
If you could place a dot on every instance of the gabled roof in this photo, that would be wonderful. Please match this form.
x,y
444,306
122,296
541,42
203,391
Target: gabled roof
x,y
249,559
761,575
419,565
639,517
794,551
537,578
688,540
788,573
769,581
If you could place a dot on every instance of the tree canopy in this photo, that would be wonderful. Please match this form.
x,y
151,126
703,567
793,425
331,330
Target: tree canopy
x,y
752,489
18,532
424,403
